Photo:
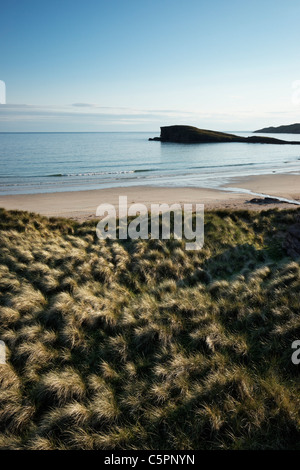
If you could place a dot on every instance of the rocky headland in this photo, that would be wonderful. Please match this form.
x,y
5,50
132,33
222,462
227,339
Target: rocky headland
x,y
191,135
290,129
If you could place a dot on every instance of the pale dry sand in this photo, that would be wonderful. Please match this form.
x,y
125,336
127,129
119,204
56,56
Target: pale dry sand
x,y
286,185
82,205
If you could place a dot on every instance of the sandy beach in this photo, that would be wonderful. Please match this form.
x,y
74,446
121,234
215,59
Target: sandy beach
x,y
279,185
81,205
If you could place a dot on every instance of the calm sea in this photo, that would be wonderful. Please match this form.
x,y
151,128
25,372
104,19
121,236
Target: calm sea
x,y
52,162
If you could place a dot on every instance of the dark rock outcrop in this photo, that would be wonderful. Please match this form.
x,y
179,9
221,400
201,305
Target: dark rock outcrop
x,y
191,135
265,200
290,129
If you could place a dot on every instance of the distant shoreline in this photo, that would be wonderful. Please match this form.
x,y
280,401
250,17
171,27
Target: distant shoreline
x,y
289,129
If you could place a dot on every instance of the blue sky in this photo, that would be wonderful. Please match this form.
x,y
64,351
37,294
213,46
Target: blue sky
x,y
125,65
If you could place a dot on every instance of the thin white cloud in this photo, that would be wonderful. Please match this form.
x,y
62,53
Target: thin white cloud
x,y
92,116
83,105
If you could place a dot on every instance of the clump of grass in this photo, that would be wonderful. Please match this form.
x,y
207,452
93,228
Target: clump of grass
x,y
104,407
58,422
10,442
8,316
60,386
27,300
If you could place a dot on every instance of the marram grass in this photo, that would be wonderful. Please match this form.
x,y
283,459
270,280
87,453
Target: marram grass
x,y
143,345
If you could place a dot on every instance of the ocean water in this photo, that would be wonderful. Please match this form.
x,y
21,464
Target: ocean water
x,y
54,162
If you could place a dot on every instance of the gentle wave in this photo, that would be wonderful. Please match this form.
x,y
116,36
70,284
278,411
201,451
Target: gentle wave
x,y
220,166
97,173
94,173
124,172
